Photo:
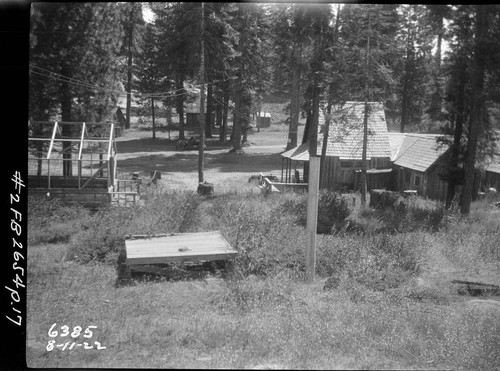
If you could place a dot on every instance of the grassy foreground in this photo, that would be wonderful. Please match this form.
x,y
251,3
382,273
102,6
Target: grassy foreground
x,y
390,304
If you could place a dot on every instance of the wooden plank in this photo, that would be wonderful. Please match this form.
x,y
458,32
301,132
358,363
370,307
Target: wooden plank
x,y
111,132
69,191
73,123
52,140
71,140
179,259
81,142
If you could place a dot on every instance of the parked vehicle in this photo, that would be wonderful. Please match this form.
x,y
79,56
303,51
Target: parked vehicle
x,y
189,144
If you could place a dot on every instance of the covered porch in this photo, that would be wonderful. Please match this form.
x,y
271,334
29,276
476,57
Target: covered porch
x,y
294,165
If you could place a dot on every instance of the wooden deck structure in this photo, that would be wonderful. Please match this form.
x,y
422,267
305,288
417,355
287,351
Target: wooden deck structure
x,y
155,254
76,161
178,248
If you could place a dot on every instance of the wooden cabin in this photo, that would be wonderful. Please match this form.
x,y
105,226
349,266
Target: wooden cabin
x,y
395,161
344,145
492,173
419,162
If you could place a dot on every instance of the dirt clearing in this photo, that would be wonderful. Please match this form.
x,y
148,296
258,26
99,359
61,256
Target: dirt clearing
x,y
138,152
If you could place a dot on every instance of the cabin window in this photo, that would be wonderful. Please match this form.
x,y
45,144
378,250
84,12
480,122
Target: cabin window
x,y
346,164
358,164
417,180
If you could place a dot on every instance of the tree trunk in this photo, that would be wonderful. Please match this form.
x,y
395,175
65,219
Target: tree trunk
x,y
218,112
295,95
210,108
407,82
457,135
66,103
323,174
237,121
180,104
225,112
305,137
130,38
169,116
153,116
365,120
476,124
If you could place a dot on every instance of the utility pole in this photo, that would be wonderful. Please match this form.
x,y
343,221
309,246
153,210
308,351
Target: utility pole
x,y
314,169
365,120
201,146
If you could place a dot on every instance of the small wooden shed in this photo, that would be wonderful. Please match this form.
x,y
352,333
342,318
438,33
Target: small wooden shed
x,y
492,173
419,163
263,119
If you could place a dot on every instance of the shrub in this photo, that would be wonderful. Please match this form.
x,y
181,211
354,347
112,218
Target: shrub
x,y
253,292
53,221
333,211
264,238
103,237
377,262
407,216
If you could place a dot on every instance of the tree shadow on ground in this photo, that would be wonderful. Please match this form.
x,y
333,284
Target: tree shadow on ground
x,y
188,162
162,144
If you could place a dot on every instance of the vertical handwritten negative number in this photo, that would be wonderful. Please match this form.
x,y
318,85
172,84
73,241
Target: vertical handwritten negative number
x,y
50,345
99,345
88,333
52,332
76,331
65,331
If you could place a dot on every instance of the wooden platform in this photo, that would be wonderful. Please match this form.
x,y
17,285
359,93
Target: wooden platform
x,y
177,247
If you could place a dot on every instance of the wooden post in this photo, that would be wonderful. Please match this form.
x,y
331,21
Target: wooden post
x,y
48,172
201,149
312,216
101,173
282,159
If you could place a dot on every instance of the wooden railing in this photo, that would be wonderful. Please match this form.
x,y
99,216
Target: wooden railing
x,y
268,186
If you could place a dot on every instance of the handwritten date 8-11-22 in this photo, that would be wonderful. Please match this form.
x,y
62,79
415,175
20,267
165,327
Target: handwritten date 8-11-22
x,y
72,333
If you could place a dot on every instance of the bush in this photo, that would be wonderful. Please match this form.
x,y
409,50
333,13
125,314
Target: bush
x,y
253,292
103,237
53,221
333,211
377,262
264,238
406,216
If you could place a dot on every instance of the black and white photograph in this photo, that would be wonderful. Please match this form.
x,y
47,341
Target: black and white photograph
x,y
256,185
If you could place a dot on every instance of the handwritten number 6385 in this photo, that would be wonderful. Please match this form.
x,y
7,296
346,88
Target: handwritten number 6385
x,y
65,331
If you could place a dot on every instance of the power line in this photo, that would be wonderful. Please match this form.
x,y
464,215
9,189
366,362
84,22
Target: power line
x,y
88,85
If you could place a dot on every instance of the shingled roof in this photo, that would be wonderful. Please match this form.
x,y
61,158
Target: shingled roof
x,y
494,165
418,151
345,138
300,153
